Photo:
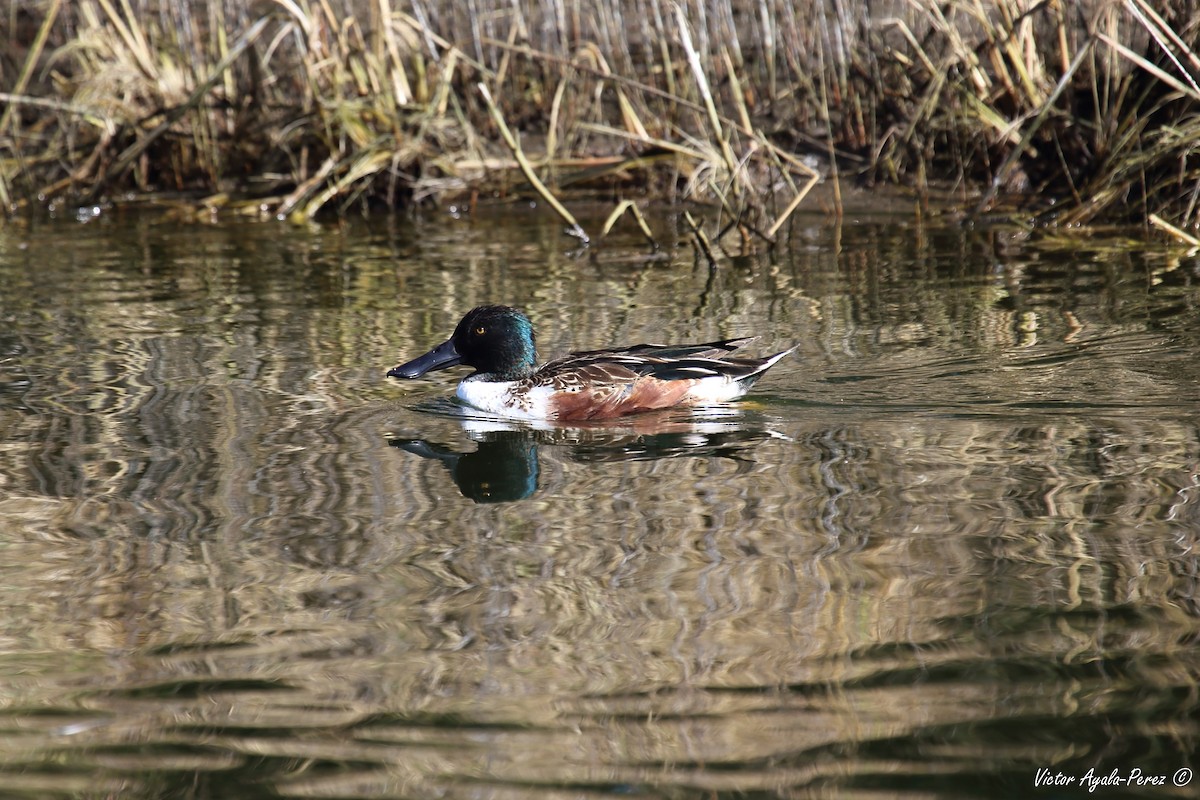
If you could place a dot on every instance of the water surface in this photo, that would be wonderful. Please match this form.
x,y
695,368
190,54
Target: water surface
x,y
950,543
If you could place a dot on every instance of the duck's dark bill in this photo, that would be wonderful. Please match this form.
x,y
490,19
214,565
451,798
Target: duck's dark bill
x,y
440,357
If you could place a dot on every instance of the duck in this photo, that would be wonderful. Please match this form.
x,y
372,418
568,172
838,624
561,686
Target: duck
x,y
498,342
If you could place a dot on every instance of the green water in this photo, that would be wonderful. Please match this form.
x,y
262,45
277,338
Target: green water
x,y
951,542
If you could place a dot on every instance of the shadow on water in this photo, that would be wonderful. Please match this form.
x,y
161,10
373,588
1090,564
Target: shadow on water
x,y
948,550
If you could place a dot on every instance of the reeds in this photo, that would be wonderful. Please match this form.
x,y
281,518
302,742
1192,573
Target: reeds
x,y
296,107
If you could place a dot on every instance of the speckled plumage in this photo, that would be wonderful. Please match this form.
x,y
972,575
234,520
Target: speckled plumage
x,y
593,385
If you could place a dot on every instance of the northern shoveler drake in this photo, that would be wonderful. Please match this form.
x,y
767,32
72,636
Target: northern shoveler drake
x,y
498,342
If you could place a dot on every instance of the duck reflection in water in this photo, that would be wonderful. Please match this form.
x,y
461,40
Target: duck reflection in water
x,y
504,467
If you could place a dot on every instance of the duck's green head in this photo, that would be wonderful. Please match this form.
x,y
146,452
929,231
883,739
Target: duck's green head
x,y
496,340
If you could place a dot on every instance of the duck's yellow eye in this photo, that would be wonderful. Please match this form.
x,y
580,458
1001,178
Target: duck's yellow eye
x,y
480,331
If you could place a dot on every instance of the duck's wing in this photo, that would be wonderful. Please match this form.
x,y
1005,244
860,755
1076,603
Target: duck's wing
x,y
660,362
670,351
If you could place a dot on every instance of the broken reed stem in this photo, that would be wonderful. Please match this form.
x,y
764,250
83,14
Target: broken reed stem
x,y
792,206
574,228
1181,235
631,207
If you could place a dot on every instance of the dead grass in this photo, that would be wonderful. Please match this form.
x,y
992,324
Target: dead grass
x,y
293,108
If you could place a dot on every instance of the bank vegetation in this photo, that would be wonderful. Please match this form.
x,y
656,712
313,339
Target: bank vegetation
x,y
1069,112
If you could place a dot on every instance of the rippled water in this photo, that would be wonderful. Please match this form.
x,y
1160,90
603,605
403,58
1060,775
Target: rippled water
x,y
949,544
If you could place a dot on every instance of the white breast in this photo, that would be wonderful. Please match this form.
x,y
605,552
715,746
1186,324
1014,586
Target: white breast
x,y
498,397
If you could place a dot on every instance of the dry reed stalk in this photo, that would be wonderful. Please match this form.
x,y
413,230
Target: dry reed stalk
x,y
401,87
827,118
573,226
714,119
739,95
555,110
701,239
